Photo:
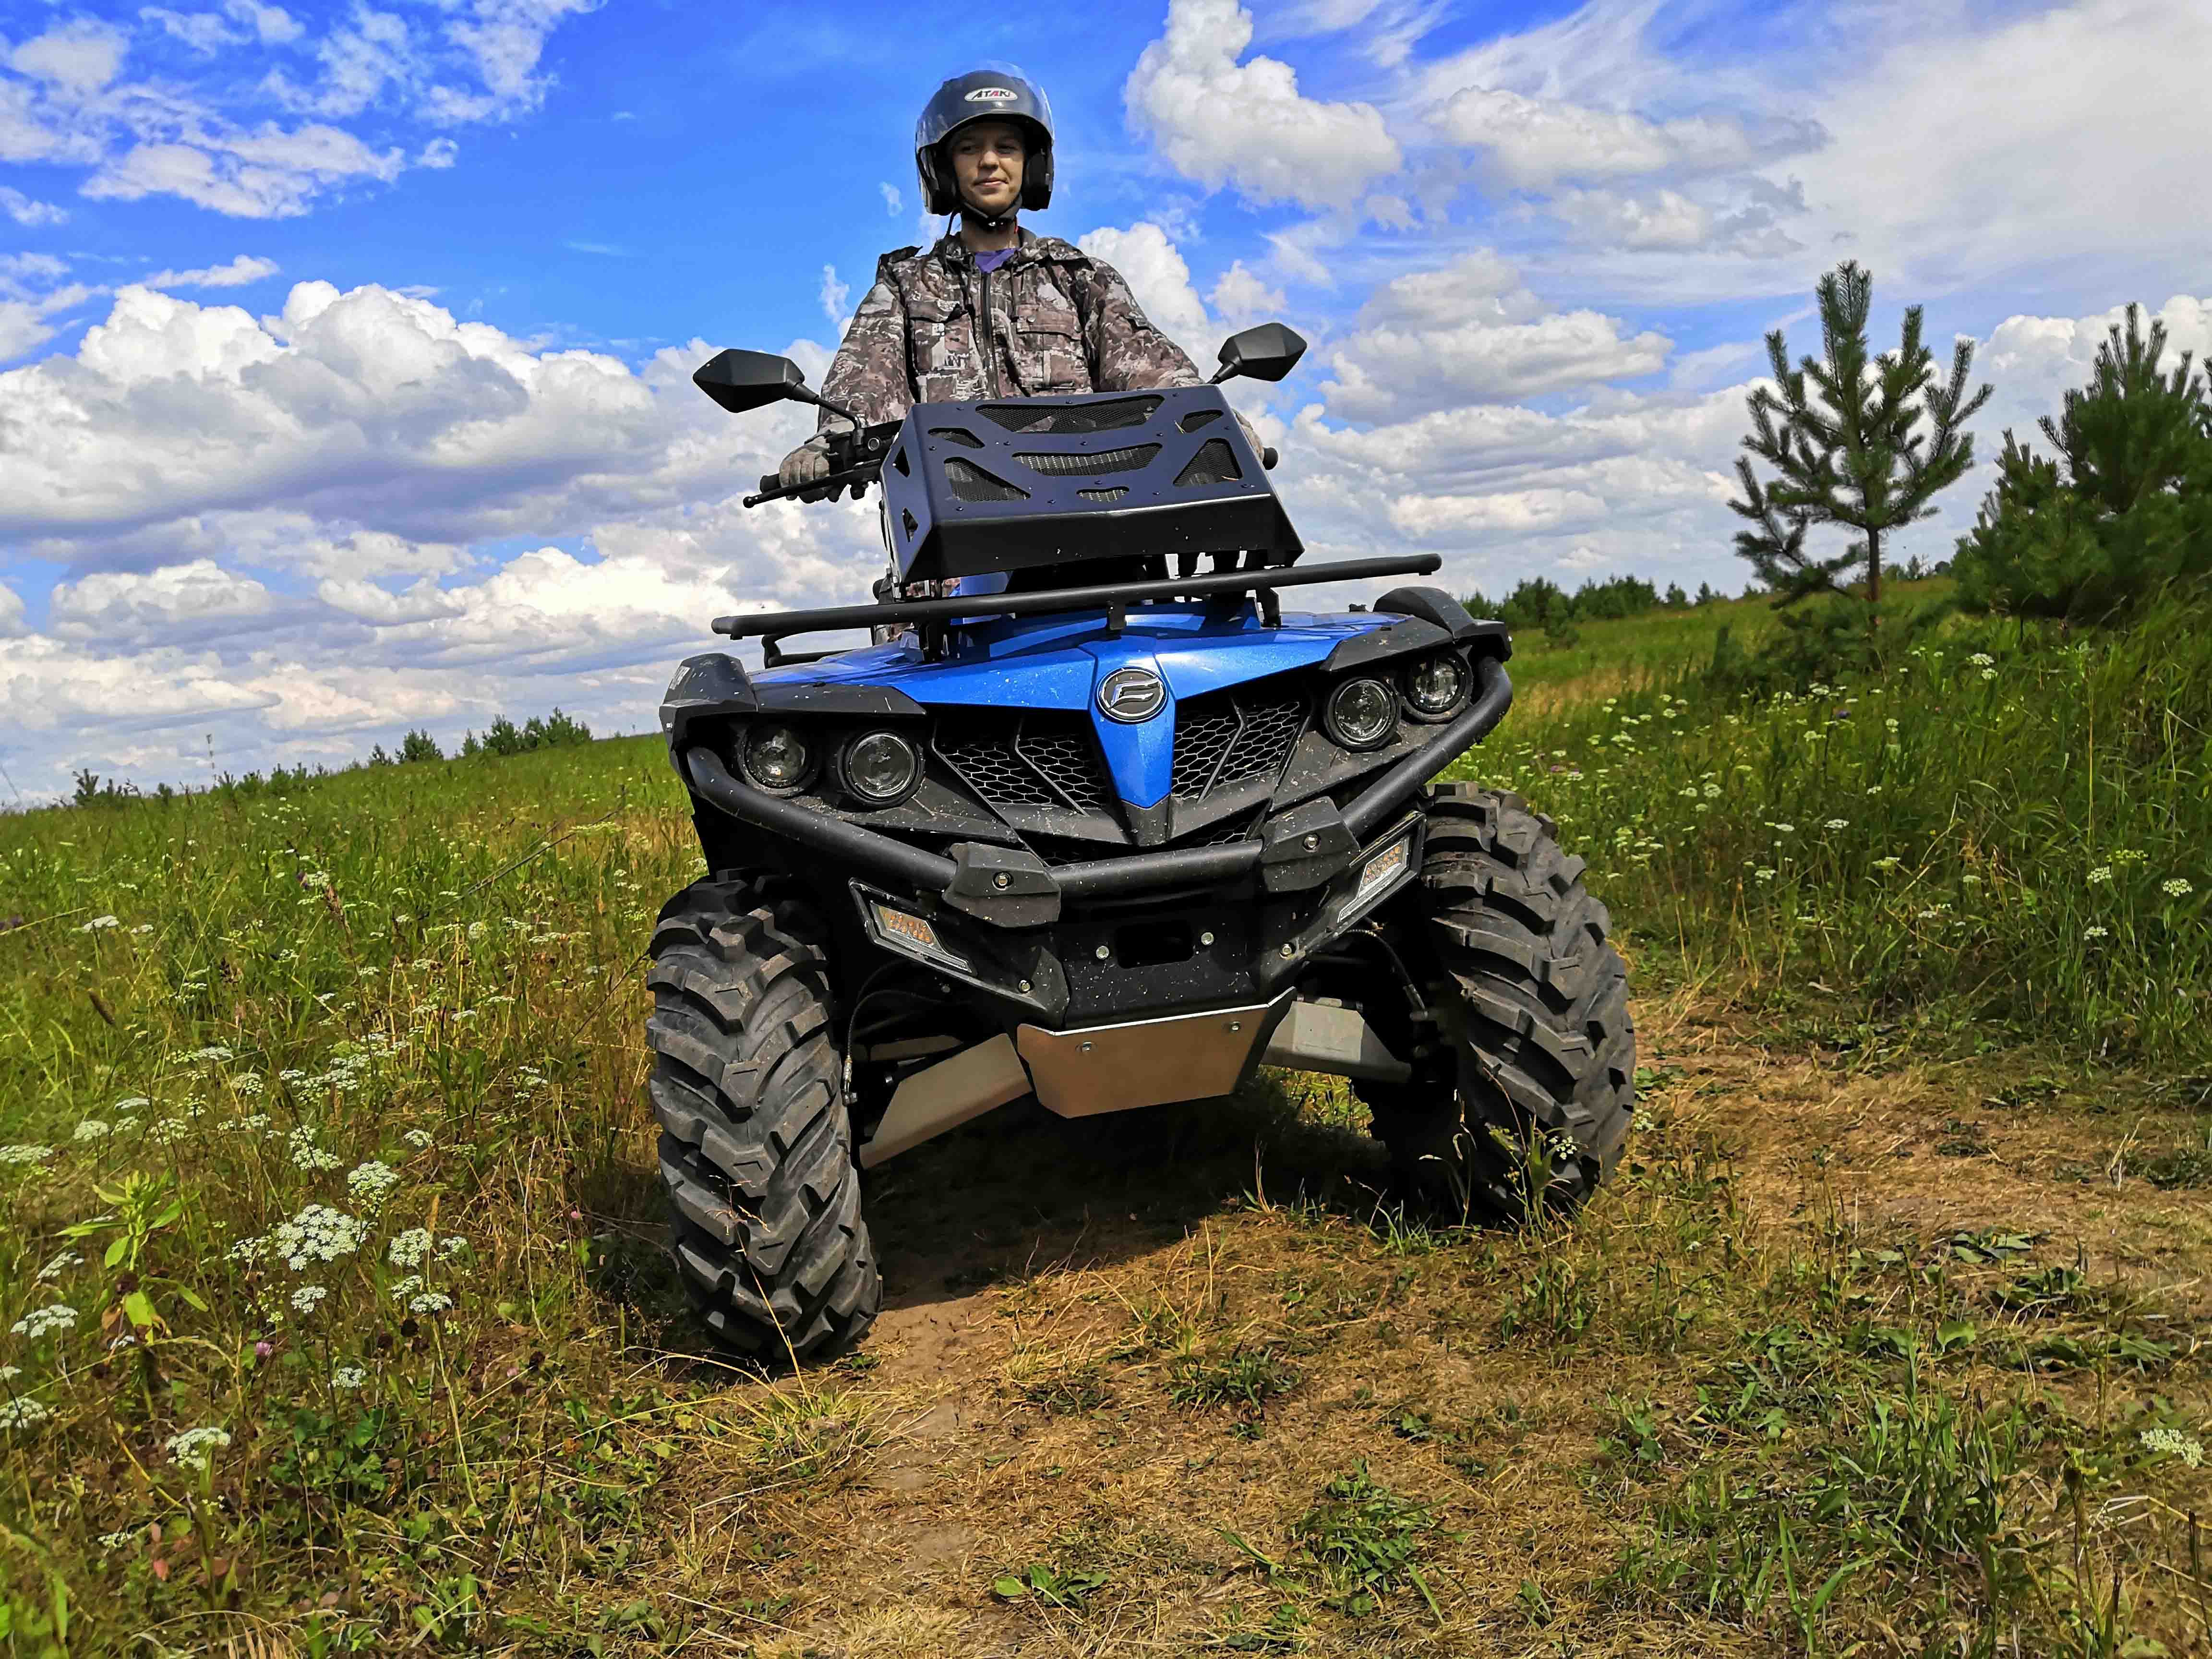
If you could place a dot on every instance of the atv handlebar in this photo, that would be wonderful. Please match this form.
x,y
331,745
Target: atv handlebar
x,y
856,459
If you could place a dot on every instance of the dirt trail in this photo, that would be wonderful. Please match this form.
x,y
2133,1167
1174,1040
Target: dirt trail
x,y
1054,1289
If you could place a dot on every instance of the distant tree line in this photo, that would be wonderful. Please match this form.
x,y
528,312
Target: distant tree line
x,y
502,737
1538,603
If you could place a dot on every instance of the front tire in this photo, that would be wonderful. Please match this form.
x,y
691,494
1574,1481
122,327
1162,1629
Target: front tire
x,y
756,1148
1531,1104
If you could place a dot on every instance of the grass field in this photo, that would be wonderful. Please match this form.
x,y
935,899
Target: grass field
x,y
331,1239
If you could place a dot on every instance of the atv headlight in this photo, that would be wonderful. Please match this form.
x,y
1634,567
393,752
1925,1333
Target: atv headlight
x,y
1436,685
1361,714
881,768
778,759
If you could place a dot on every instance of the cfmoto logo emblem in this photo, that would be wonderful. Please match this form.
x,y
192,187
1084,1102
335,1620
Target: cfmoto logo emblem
x,y
1131,694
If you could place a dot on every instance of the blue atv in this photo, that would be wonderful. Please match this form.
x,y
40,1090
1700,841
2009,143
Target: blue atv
x,y
1092,819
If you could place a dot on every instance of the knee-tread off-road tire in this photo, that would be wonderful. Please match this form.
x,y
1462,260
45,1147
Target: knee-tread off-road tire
x,y
755,1148
1534,1002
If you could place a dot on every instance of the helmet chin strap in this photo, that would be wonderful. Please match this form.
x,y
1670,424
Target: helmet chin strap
x,y
983,221
980,218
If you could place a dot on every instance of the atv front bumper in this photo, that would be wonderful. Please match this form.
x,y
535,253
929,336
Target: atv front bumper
x,y
1299,850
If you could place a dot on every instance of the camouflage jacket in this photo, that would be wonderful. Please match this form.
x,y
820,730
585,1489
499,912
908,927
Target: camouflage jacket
x,y
936,329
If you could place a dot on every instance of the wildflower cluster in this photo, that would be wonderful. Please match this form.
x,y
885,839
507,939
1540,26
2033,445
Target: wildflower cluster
x,y
41,1322
195,1448
318,1233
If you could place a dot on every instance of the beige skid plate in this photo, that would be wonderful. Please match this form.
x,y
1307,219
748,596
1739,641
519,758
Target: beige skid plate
x,y
1147,1062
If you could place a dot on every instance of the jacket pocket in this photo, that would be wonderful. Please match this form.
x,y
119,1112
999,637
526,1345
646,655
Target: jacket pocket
x,y
941,349
1049,354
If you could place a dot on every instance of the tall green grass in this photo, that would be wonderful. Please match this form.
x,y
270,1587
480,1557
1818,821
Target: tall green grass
x,y
2008,826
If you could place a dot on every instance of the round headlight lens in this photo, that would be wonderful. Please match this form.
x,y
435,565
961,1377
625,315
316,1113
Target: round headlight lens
x,y
1361,714
881,767
777,757
1435,685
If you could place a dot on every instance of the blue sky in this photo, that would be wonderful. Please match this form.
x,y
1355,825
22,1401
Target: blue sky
x,y
342,347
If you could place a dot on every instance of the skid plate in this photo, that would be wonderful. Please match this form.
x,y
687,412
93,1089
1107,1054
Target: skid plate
x,y
1145,1063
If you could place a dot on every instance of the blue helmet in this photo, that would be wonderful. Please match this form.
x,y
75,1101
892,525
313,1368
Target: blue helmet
x,y
985,95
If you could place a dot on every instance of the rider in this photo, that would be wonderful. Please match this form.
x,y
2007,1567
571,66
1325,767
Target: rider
x,y
992,310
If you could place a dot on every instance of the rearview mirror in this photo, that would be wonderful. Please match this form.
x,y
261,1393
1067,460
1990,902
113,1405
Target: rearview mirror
x,y
739,380
1266,353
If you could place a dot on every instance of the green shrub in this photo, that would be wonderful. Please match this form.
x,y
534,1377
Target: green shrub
x,y
504,737
420,746
2122,510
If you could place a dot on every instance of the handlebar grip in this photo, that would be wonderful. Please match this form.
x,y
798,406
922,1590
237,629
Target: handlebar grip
x,y
1268,457
770,481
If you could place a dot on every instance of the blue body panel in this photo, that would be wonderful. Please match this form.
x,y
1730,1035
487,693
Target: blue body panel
x,y
1056,662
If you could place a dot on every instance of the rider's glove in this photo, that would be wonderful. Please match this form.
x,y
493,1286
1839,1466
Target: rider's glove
x,y
806,465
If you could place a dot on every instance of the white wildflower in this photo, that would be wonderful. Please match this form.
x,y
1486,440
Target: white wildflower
x,y
419,1139
2095,932
2176,888
1834,824
370,1182
23,1413
476,930
99,925
307,1156
430,1302
2185,1447
318,1233
195,1448
93,1129
171,1130
60,1265
451,1246
112,1541
1764,874
307,1297
347,1376
1981,659
132,1103
40,1322
2101,876
410,1249
248,1082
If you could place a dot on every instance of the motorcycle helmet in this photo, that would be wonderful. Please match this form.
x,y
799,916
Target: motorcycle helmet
x,y
999,92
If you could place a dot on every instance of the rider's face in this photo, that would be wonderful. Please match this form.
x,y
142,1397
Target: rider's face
x,y
987,160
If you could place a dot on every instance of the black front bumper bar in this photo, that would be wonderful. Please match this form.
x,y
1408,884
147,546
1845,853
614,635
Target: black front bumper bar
x,y
890,860
782,624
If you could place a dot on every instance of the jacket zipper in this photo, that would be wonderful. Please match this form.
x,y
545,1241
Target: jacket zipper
x,y
988,335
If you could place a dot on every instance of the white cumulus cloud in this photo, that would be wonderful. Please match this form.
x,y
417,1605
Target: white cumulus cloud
x,y
1471,333
245,269
1222,122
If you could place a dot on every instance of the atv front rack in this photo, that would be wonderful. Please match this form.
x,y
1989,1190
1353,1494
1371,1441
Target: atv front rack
x,y
772,627
1010,887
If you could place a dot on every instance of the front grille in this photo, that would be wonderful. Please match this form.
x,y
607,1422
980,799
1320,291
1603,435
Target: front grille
x,y
1215,462
1059,465
1231,736
971,483
1044,758
1067,420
